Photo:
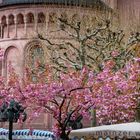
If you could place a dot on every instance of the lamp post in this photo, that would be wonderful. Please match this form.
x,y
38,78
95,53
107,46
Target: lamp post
x,y
11,113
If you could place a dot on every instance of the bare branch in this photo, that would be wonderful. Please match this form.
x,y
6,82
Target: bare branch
x,y
70,34
93,46
75,28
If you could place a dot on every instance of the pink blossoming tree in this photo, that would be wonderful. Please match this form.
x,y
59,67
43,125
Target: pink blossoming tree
x,y
113,94
66,99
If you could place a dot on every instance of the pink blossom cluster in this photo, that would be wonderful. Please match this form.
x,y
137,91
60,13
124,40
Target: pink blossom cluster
x,y
113,94
116,94
70,95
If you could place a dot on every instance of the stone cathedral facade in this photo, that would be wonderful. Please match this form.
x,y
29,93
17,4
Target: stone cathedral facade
x,y
21,20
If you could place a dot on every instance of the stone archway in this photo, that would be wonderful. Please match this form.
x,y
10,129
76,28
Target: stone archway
x,y
12,59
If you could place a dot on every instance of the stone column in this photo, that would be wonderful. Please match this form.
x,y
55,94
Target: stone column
x,y
25,25
15,26
7,20
36,23
3,64
47,22
1,55
0,30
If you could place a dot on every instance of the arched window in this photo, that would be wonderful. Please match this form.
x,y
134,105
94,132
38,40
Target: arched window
x,y
20,19
36,55
52,18
35,59
41,18
30,18
11,19
75,19
52,23
11,23
3,19
85,20
64,18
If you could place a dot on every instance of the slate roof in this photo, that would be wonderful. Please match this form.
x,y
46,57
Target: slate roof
x,y
87,3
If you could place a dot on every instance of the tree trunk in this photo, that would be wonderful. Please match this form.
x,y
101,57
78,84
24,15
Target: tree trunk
x,y
64,136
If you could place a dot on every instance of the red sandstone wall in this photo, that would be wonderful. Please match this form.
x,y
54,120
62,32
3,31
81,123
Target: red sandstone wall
x,y
129,13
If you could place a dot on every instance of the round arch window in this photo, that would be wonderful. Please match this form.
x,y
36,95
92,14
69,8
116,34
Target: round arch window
x,y
35,60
